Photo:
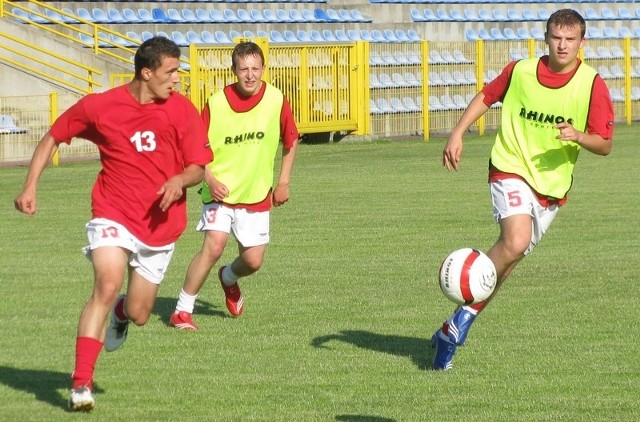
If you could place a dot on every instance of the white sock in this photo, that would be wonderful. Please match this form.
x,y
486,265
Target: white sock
x,y
229,278
470,309
186,302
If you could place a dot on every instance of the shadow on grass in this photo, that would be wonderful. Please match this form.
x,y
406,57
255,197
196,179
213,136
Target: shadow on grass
x,y
363,418
165,306
417,349
44,385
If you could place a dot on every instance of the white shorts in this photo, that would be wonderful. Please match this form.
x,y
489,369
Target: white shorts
x,y
151,262
514,197
250,228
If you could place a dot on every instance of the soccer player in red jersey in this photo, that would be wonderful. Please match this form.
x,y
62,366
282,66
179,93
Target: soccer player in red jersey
x,y
247,122
552,107
153,146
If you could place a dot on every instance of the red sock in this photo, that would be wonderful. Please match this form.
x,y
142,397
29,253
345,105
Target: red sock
x,y
87,351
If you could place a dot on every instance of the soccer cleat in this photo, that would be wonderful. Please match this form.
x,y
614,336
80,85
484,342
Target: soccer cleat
x,y
81,399
445,350
182,321
116,331
458,326
235,300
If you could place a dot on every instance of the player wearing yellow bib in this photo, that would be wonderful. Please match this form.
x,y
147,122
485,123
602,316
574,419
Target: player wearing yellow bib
x,y
246,122
553,107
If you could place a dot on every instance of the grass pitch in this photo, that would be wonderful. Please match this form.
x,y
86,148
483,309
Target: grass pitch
x,y
338,320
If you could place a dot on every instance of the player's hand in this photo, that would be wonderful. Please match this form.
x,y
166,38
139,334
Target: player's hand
x,y
26,203
280,195
567,132
218,190
452,153
171,191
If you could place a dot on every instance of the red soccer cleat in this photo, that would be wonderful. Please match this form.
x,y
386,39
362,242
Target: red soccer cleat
x,y
235,300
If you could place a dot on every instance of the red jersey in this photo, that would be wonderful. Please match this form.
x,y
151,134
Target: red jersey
x,y
600,119
240,104
141,146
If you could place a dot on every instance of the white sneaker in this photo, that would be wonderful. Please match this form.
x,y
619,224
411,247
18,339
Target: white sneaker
x,y
116,331
81,399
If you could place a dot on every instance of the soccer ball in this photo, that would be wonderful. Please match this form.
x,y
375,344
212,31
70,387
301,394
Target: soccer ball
x,y
467,276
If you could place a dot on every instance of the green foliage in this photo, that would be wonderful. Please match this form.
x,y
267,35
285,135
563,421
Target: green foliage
x,y
338,320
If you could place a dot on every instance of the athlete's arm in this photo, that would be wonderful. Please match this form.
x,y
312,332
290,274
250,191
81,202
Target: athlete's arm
x,y
281,192
26,201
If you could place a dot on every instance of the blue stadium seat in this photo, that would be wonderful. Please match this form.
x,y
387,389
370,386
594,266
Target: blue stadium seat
x,y
115,16
377,36
353,34
344,15
470,34
499,15
296,15
130,16
485,15
625,32
276,36
303,35
68,19
590,14
320,15
471,15
434,103
514,15
207,37
417,16
221,37
145,35
316,36
283,16
410,104
624,13
341,35
609,32
457,16
443,15
189,15
390,36
607,13
402,35
100,16
523,33
243,15
497,34
84,14
333,16
327,34
357,16
146,16
543,15
537,33
134,36
309,16
484,34
159,15
216,16
230,16
202,15
174,16
413,35
248,34
529,15
179,38
233,34
270,15
193,37
289,36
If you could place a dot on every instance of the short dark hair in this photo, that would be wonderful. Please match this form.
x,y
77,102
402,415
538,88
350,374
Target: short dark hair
x,y
567,18
244,49
152,51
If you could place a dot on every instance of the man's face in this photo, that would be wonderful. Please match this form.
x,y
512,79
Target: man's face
x,y
163,80
564,44
248,71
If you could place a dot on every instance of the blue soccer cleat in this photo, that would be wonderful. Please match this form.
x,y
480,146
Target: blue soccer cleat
x,y
458,325
444,351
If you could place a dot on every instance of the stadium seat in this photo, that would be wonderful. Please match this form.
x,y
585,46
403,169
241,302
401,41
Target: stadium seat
x,y
377,36
457,16
327,34
357,16
344,15
411,79
174,16
69,15
435,57
244,16
332,15
471,15
529,15
410,104
373,107
99,15
523,33
230,16
374,82
435,79
384,106
134,36
309,16
257,16
389,58
8,125
470,34
413,35
115,16
402,35
375,59
447,78
617,71
514,15
145,35
289,36
398,80
146,16
303,35
594,32
316,36
216,16
221,37
84,14
537,33
207,37
283,16
202,15
179,38
320,15
193,37
485,15
276,37
417,15
365,35
543,15
233,34
296,16
435,104
390,36
353,34
496,34
189,15
459,56
624,13
443,15
484,34
617,52
470,76
341,35
159,15
397,105
590,14
499,15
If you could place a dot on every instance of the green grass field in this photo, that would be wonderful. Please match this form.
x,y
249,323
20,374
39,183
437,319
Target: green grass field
x,y
337,323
